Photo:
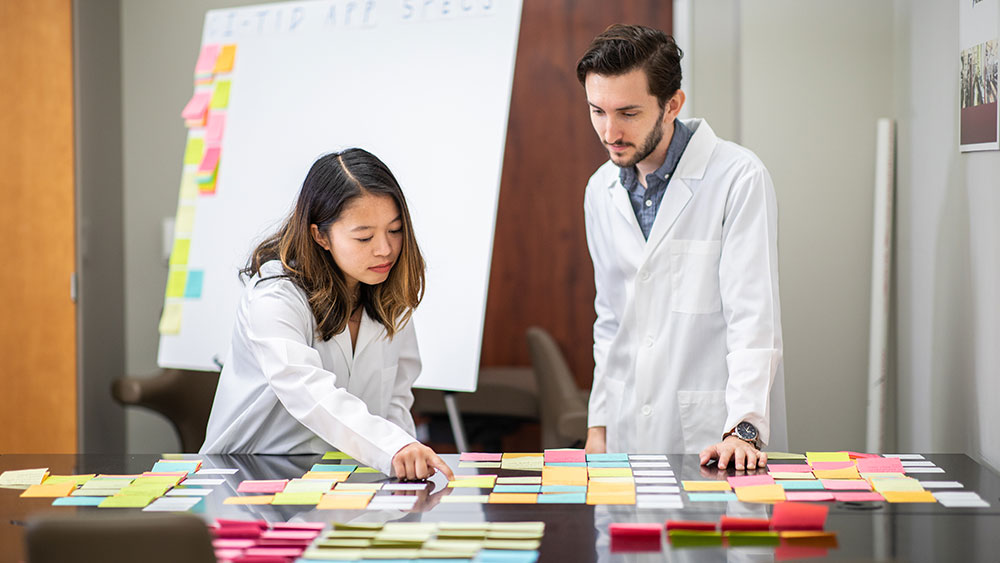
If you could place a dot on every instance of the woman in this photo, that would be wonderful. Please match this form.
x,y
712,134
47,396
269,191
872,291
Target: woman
x,y
323,352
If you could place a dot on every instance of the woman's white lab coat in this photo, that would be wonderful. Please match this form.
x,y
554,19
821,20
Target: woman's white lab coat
x,y
284,390
687,341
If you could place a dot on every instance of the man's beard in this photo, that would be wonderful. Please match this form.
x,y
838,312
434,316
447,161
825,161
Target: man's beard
x,y
648,145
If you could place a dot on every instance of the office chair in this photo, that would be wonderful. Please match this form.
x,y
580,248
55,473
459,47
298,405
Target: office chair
x,y
561,403
119,538
183,396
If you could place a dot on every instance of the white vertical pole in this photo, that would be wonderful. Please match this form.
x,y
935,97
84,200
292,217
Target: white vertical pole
x,y
885,153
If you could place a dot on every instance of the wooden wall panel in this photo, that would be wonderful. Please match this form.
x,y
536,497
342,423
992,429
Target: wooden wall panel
x,y
37,315
541,273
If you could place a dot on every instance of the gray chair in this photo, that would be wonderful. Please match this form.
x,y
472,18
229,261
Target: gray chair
x,y
119,538
184,397
562,405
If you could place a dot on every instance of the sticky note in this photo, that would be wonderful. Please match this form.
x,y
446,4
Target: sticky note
x,y
880,465
195,279
896,484
49,491
564,489
309,485
761,493
170,322
344,501
253,499
564,475
297,498
196,107
206,60
808,496
184,220
733,523
712,497
326,475
335,455
478,456
783,456
479,465
562,498
908,496
610,498
856,497
571,455
225,58
635,530
181,251
194,150
262,486
801,484
519,481
483,482
845,473
826,456
831,465
513,498
791,516
747,480
706,485
611,487
738,538
617,464
220,97
691,525
372,487
470,499
694,538
607,457
846,485
209,162
608,471
333,467
77,501
792,475
126,501
789,468
75,479
176,279
23,477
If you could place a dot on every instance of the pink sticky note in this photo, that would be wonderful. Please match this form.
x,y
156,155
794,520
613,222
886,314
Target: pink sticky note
x,y
857,497
749,480
880,465
206,60
798,516
789,468
209,161
214,127
274,551
565,456
846,485
307,535
831,465
809,496
233,543
318,526
472,456
228,554
270,486
196,106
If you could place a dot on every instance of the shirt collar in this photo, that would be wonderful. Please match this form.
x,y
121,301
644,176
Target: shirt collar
x,y
679,141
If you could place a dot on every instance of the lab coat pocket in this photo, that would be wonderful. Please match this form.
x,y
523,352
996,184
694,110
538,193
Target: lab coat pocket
x,y
388,384
694,276
703,413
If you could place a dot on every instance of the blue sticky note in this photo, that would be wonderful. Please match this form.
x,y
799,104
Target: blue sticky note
x,y
562,498
801,484
194,282
516,488
175,466
607,457
564,488
567,464
333,467
608,464
711,497
506,556
77,501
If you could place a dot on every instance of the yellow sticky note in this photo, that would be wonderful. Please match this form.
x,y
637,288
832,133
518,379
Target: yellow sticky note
x,y
254,499
194,151
344,501
220,97
564,476
224,62
513,498
610,498
336,476
512,455
909,496
845,473
49,491
184,222
827,456
609,471
75,479
482,482
189,187
176,281
893,484
706,486
170,322
179,255
297,498
126,501
761,493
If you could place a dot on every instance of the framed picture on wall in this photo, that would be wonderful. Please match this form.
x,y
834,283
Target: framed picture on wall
x,y
979,48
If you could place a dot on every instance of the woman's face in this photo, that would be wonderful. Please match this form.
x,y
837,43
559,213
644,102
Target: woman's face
x,y
365,241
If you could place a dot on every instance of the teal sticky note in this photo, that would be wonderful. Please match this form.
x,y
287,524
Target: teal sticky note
x,y
506,556
517,488
564,488
607,457
567,464
608,464
711,497
194,282
77,501
174,466
333,467
562,498
801,484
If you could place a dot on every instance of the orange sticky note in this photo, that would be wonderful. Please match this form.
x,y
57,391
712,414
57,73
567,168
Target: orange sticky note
x,y
49,491
564,476
337,476
610,498
909,496
344,501
224,61
706,486
611,487
845,473
761,493
254,499
513,498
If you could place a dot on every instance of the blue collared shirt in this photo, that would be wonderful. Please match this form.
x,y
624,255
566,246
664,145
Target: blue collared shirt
x,y
646,202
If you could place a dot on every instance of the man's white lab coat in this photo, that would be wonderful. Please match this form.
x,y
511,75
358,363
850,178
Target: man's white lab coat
x,y
687,341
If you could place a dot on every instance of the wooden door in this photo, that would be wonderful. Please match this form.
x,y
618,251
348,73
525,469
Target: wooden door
x,y
37,314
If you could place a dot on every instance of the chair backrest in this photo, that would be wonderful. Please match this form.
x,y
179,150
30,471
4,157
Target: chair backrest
x,y
184,397
119,538
558,393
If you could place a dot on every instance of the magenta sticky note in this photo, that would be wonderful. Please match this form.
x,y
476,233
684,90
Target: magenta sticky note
x,y
789,468
206,60
808,496
473,456
307,535
209,161
196,106
565,456
749,480
846,485
857,497
880,465
269,486
214,128
831,465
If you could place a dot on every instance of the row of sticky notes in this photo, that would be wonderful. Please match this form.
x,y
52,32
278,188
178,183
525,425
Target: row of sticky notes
x,y
256,539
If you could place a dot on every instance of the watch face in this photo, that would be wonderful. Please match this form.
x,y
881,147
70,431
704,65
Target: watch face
x,y
746,431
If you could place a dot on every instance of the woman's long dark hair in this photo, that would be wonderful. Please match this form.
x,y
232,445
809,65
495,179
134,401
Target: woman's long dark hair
x,y
332,182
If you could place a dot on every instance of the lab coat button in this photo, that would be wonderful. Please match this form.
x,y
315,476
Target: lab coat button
x,y
649,342
647,410
645,276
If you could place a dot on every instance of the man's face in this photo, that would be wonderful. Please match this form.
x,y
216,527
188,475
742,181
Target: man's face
x,y
628,119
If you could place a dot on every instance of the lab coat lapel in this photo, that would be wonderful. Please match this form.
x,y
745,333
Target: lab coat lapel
x,y
367,332
619,197
343,341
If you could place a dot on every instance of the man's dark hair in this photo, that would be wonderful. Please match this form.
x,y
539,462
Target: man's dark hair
x,y
623,48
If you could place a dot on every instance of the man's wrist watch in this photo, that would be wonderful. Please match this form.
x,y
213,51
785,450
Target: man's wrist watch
x,y
746,432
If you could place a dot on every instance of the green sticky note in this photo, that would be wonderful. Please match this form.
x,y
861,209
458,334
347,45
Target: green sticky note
x,y
346,554
358,526
170,322
179,255
366,470
344,542
336,455
175,282
220,97
297,498
126,501
194,150
693,538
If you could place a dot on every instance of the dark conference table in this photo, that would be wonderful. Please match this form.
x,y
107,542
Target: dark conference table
x,y
868,531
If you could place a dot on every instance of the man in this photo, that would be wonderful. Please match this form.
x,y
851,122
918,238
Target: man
x,y
682,230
